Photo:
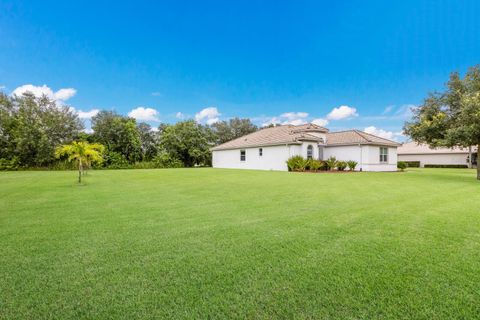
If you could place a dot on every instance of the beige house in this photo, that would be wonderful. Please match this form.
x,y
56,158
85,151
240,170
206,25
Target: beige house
x,y
412,151
270,148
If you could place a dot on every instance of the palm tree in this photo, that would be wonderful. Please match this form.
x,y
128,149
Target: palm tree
x,y
83,153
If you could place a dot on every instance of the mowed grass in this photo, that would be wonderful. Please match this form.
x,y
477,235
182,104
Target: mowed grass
x,y
211,243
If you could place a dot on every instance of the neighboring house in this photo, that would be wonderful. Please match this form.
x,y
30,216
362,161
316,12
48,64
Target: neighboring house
x,y
270,148
411,151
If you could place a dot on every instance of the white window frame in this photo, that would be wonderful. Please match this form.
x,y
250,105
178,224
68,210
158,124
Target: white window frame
x,y
243,155
383,155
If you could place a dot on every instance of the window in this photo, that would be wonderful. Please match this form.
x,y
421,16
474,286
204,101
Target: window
x,y
260,152
242,155
310,152
383,154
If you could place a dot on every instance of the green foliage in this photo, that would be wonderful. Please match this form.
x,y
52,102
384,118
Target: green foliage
x,y
82,153
296,163
352,165
402,165
331,163
9,164
148,141
451,166
413,164
115,160
450,118
32,128
341,165
165,160
119,134
314,164
188,141
232,129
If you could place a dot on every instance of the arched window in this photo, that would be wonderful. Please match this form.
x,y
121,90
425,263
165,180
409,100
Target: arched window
x,y
310,152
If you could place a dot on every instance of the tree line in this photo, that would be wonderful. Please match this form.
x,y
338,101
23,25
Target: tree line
x,y
32,128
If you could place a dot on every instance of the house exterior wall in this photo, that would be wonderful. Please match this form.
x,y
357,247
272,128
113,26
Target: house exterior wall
x,y
367,156
273,158
437,158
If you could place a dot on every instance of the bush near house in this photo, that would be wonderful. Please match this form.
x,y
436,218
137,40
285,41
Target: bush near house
x,y
402,165
352,165
341,165
331,163
413,164
314,164
296,163
452,166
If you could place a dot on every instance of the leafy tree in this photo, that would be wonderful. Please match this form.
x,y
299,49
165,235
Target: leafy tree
x,y
232,129
450,118
189,142
118,134
83,153
148,141
31,128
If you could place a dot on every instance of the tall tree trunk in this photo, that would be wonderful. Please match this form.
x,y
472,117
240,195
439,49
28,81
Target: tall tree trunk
x,y
80,168
478,164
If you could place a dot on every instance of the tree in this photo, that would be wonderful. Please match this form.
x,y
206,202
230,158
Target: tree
x,y
450,118
83,153
32,127
188,141
148,141
233,129
118,134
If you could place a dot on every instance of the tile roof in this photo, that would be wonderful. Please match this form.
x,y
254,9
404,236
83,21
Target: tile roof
x,y
285,134
350,137
290,134
415,148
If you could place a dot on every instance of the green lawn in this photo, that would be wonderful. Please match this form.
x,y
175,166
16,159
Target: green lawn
x,y
206,243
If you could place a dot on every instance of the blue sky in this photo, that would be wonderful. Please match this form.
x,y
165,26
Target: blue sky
x,y
284,61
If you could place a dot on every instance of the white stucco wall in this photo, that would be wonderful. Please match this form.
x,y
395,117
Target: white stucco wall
x,y
367,156
273,158
450,158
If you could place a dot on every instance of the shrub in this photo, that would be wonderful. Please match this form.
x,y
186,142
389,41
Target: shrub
x,y
323,165
341,165
331,163
115,160
413,164
402,165
296,163
12,164
352,165
453,166
314,164
166,160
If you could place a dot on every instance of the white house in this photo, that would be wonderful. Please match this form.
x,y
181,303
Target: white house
x,y
422,153
270,148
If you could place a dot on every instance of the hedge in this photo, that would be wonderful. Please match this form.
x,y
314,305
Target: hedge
x,y
413,164
456,166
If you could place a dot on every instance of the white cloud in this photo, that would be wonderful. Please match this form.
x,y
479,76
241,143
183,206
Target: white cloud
x,y
156,94
88,130
179,115
87,114
388,109
293,118
342,112
60,95
209,115
383,133
2,87
320,122
65,94
144,114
